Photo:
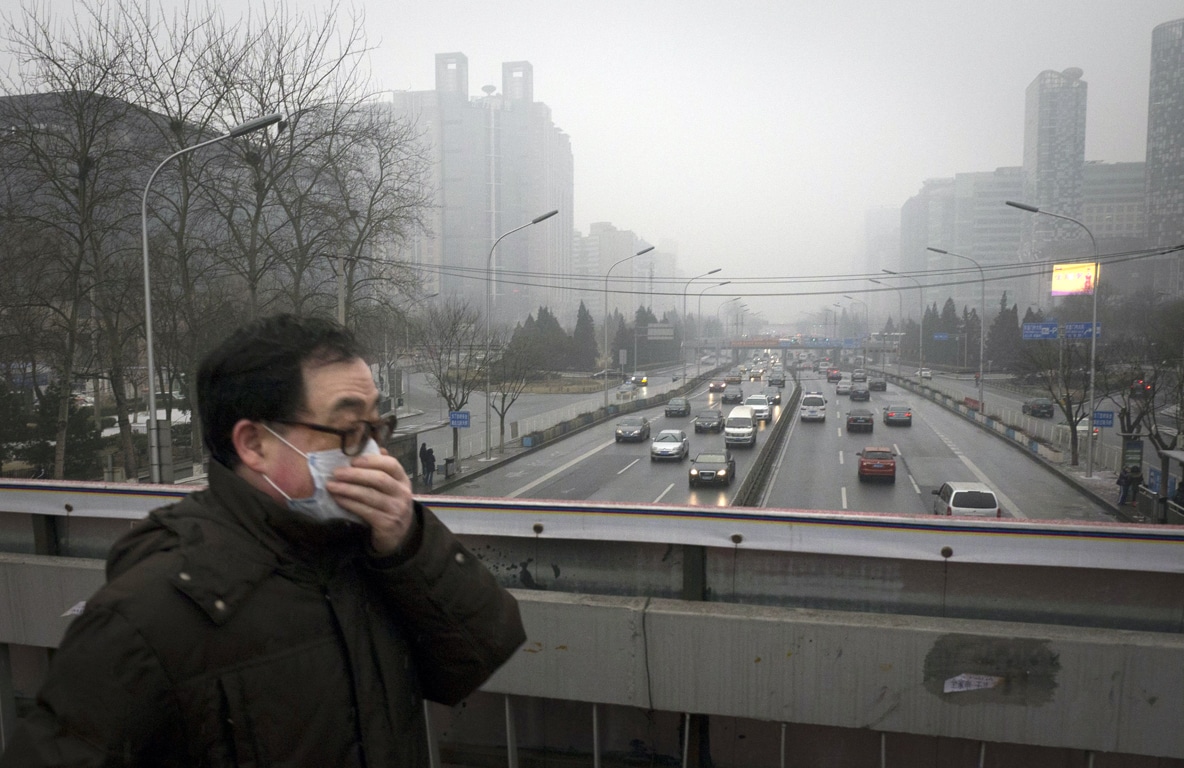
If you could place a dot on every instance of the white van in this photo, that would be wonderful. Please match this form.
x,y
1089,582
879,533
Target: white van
x,y
974,499
740,426
813,407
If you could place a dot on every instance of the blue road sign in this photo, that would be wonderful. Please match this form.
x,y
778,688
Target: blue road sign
x,y
1037,331
1103,418
458,419
941,337
1080,330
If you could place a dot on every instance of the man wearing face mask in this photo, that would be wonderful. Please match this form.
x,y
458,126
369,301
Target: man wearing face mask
x,y
298,611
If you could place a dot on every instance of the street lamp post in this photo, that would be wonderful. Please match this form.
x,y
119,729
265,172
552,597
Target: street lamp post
x,y
488,312
982,322
721,321
607,356
257,124
684,317
1093,330
920,322
699,316
899,317
866,325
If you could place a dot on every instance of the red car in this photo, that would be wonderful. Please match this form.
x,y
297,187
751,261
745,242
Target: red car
x,y
717,386
877,462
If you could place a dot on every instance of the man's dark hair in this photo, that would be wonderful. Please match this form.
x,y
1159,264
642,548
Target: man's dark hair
x,y
257,374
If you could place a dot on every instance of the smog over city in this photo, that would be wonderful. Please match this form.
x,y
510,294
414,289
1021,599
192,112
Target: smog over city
x,y
758,137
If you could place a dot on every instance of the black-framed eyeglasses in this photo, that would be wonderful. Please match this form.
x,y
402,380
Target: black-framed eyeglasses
x,y
353,437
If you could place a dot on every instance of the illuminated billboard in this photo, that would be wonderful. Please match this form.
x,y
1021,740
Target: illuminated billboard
x,y
1074,279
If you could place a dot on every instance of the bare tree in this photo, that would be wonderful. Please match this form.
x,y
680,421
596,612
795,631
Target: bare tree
x,y
454,354
510,373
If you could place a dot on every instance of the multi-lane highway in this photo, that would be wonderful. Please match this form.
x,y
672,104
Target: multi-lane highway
x,y
815,468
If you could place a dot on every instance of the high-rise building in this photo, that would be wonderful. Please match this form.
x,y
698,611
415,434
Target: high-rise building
x,y
1054,157
498,162
1165,150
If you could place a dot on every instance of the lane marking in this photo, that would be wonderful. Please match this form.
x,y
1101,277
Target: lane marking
x,y
557,470
839,431
663,493
1004,500
916,487
840,457
844,495
626,468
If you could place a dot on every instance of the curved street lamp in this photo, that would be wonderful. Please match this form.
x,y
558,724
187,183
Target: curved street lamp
x,y
684,317
607,356
257,124
982,321
920,321
866,326
1093,330
699,315
489,311
899,316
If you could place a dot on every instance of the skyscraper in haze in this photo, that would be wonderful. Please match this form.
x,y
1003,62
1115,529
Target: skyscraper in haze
x,y
1165,150
1054,160
498,161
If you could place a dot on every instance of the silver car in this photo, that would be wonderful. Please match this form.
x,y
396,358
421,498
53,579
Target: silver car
x,y
670,444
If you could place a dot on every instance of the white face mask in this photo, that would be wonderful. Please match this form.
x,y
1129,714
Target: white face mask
x,y
321,464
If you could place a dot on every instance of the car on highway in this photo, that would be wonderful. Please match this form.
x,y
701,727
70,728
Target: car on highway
x,y
860,391
924,373
877,384
735,396
762,409
859,375
756,373
626,390
718,385
774,395
860,420
1041,407
877,463
834,374
777,379
678,406
959,498
715,467
898,414
842,388
633,429
812,407
640,379
709,421
740,427
670,444
733,377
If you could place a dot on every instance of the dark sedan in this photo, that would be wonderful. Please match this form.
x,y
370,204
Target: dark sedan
x,y
709,421
717,386
1038,406
877,384
678,406
712,468
860,392
733,396
635,429
898,414
774,395
860,420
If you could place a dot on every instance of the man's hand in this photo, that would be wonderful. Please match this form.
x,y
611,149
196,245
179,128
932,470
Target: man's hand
x,y
377,489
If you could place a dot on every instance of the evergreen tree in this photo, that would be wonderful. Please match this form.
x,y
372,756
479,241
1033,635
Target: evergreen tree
x,y
83,439
584,346
1004,337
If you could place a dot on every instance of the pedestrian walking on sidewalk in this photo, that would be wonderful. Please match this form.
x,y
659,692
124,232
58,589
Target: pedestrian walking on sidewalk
x,y
429,467
1124,484
1134,480
423,459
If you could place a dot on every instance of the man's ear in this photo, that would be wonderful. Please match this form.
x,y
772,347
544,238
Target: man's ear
x,y
249,444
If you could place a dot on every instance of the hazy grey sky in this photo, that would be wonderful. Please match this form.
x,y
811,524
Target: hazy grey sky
x,y
761,132
756,135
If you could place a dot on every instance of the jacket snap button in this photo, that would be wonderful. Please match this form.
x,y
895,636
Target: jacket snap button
x,y
221,606
460,557
184,576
